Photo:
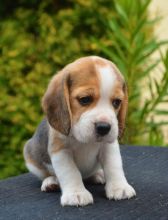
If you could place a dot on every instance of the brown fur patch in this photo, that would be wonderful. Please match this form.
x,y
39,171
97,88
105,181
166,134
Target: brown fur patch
x,y
118,91
56,103
100,62
56,145
44,171
84,82
52,188
117,72
122,112
122,93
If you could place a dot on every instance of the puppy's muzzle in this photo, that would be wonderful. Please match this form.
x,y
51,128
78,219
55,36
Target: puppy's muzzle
x,y
102,128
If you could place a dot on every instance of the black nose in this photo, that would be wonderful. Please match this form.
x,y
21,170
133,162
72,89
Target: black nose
x,y
102,128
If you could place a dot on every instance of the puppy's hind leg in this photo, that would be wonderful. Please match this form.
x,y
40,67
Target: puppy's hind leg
x,y
40,169
37,171
97,177
50,184
31,161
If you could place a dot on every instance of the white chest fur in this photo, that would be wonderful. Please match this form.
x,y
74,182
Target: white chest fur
x,y
86,157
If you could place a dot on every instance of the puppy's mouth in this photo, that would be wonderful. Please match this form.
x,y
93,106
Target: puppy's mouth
x,y
104,139
99,138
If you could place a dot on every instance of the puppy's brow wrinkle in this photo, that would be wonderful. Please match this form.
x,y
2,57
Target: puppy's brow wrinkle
x,y
124,87
69,81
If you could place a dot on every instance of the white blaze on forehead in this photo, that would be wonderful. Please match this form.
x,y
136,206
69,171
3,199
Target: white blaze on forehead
x,y
107,78
107,81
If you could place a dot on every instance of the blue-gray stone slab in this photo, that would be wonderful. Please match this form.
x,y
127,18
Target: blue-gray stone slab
x,y
146,169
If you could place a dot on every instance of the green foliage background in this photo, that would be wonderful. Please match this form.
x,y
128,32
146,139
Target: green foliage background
x,y
40,37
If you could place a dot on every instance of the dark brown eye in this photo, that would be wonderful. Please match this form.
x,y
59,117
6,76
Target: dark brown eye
x,y
87,100
116,103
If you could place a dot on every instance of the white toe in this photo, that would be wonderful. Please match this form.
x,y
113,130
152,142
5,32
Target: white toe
x,y
120,191
81,198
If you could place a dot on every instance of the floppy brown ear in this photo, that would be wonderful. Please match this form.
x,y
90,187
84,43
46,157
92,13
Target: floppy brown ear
x,y
56,105
122,112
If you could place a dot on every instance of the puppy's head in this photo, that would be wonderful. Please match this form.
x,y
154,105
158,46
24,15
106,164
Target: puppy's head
x,y
88,100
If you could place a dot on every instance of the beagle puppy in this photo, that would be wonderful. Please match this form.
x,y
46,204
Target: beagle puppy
x,y
85,106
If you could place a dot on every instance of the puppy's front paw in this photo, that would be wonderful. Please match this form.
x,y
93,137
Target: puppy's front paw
x,y
119,191
81,198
